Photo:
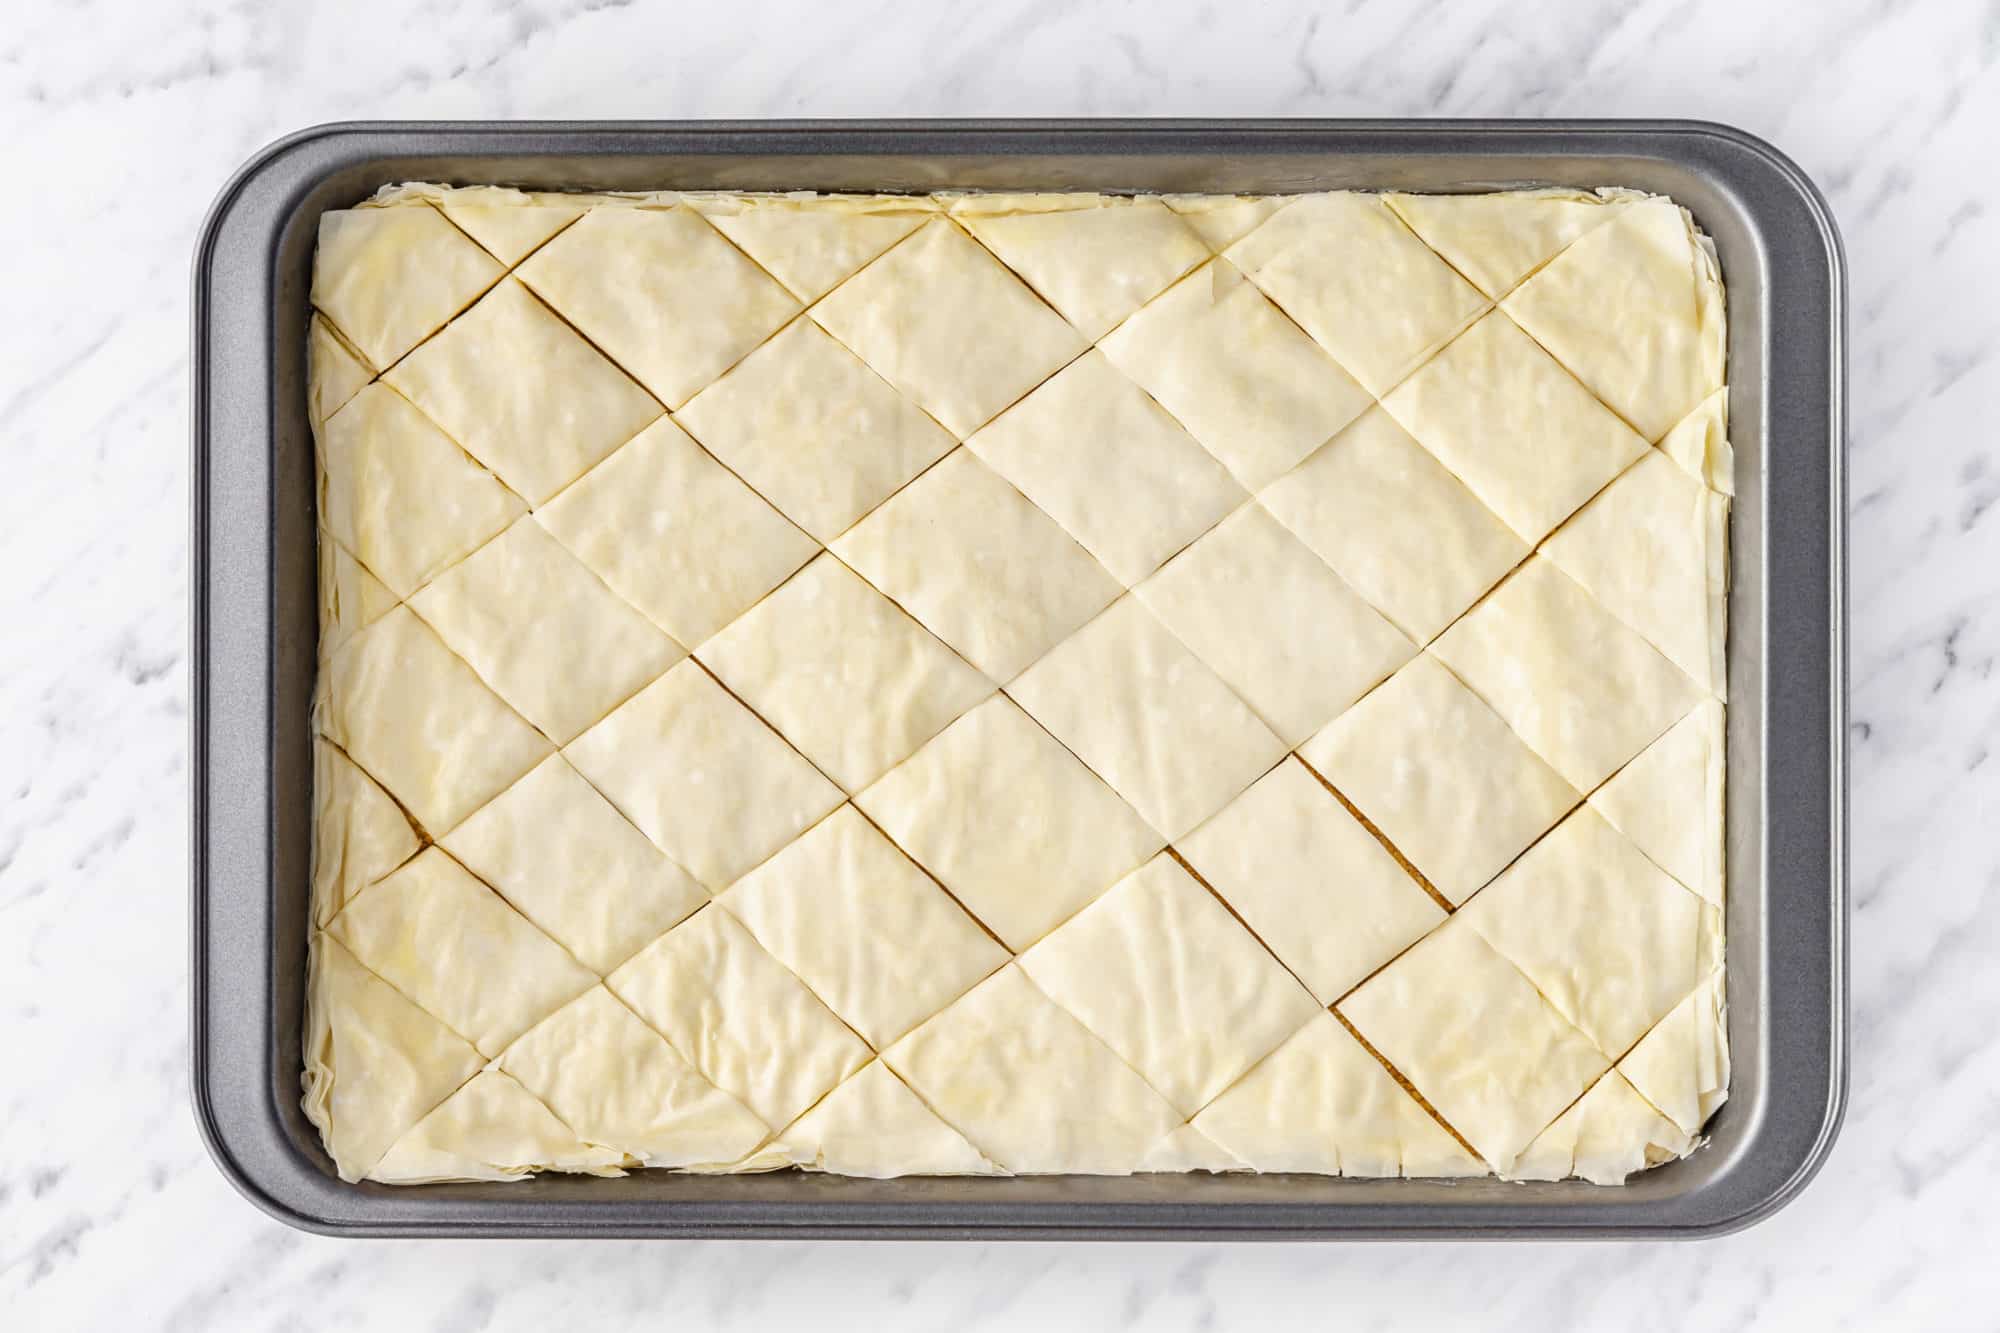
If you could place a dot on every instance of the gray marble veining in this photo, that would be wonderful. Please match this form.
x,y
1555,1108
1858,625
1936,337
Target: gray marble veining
x,y
124,119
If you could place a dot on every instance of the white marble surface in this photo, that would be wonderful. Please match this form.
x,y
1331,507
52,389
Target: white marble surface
x,y
122,120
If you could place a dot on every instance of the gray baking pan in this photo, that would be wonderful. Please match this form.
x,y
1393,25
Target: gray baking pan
x,y
254,627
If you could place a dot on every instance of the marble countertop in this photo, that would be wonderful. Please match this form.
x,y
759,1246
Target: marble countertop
x,y
126,118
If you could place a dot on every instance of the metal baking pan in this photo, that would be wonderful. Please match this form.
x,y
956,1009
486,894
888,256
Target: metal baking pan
x,y
254,627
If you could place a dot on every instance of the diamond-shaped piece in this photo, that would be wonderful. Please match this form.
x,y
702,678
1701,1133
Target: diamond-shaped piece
x,y
873,1125
819,434
1668,800
1346,268
812,244
491,1129
1682,1065
359,834
1029,1085
1515,426
1700,444
413,714
617,1082
978,565
1110,465
335,372
1148,717
675,535
1188,1149
1610,1133
509,224
560,647
842,673
1394,523
1322,1103
1221,220
390,277
455,947
1476,1039
375,1063
1634,309
1607,936
661,292
522,393
947,324
1498,239
350,598
1093,257
861,924
1438,772
745,1022
1009,821
570,863
1274,622
1167,977
1259,394
1653,547
400,495
709,783
1316,886
1584,691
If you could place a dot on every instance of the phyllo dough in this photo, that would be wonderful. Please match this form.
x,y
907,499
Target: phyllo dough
x,y
992,684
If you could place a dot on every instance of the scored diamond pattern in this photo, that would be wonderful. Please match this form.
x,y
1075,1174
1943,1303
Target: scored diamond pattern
x,y
523,393
628,278
1380,305
945,322
863,926
1243,560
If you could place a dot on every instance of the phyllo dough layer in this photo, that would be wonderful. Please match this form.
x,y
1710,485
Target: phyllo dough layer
x,y
985,684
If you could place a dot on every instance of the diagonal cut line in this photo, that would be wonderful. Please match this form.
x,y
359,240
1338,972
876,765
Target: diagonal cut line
x,y
1229,907
942,888
537,245
425,839
1409,1088
1375,831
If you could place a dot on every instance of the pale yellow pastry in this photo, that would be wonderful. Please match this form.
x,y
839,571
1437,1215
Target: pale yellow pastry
x,y
1029,1085
979,565
1611,1132
1009,821
1159,970
734,791
750,1026
1321,1103
400,495
873,1125
522,393
1634,309
864,926
1245,381
1321,892
1610,939
1585,692
457,948
1382,306
1668,800
618,1083
948,325
846,674
1475,1037
1149,717
626,278
1441,775
975,684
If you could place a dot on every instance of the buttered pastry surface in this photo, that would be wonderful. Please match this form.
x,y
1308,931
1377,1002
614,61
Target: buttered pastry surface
x,y
992,684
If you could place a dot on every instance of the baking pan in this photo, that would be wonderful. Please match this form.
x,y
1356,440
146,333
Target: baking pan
x,y
255,624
